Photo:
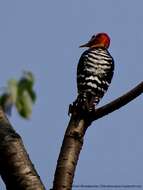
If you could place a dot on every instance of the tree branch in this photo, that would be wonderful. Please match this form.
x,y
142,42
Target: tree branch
x,y
16,169
117,103
73,139
70,150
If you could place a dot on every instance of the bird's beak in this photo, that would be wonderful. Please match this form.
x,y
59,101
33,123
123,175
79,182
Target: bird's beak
x,y
85,45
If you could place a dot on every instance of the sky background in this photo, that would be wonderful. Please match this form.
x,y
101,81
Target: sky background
x,y
43,37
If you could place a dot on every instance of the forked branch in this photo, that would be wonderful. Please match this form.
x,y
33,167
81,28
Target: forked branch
x,y
74,136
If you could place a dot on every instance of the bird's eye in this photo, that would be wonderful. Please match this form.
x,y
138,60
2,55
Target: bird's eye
x,y
93,36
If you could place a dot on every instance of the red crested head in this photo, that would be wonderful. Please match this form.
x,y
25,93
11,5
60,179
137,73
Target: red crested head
x,y
98,40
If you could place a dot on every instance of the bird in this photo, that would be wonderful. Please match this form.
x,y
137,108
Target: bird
x,y
94,72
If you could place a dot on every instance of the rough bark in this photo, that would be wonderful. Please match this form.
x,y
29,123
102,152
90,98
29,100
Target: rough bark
x,y
73,139
72,144
16,169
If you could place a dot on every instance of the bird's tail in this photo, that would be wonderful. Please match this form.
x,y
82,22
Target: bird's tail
x,y
86,102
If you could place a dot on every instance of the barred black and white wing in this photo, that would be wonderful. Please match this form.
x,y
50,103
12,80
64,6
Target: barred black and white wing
x,y
94,74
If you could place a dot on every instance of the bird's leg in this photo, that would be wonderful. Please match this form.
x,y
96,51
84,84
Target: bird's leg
x,y
77,106
92,103
72,108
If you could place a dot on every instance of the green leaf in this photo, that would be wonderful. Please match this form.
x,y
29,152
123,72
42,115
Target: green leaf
x,y
24,105
32,95
29,76
21,94
27,80
13,89
26,83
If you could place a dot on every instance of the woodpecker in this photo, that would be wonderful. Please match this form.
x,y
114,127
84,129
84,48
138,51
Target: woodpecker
x,y
94,72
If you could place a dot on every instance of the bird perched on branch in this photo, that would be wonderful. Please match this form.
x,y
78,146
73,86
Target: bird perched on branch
x,y
94,72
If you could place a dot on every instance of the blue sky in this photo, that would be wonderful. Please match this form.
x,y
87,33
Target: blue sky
x,y
44,36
